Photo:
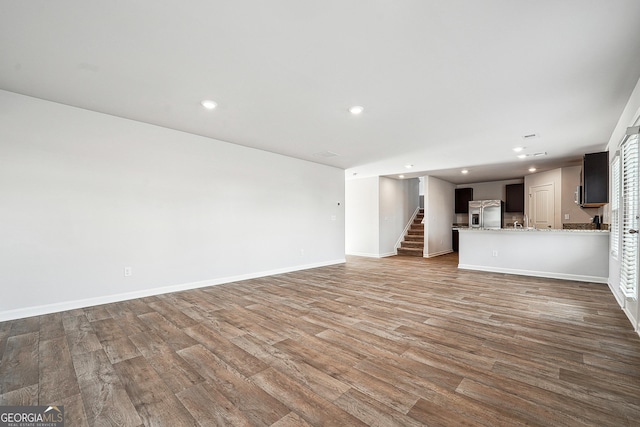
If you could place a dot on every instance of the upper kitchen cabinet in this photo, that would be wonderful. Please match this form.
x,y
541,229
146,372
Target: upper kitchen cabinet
x,y
595,180
515,198
463,197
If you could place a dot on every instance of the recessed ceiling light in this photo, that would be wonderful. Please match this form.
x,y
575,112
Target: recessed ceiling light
x,y
464,171
408,166
522,156
356,109
400,176
532,169
518,149
209,104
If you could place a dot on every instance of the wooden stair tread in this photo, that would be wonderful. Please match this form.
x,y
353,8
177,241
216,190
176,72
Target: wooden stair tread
x,y
413,243
411,251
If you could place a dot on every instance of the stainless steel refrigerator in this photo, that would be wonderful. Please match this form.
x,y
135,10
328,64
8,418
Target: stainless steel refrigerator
x,y
486,214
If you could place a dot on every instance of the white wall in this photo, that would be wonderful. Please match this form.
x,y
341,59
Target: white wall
x,y
629,117
398,202
569,255
439,201
570,181
378,211
86,194
362,217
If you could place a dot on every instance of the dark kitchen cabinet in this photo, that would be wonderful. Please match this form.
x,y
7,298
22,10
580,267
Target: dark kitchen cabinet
x,y
515,198
595,180
463,197
455,240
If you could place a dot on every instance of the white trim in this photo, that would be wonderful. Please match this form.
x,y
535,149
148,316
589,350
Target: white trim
x,y
364,254
369,255
435,254
615,294
621,302
89,302
634,322
406,229
388,254
547,274
634,122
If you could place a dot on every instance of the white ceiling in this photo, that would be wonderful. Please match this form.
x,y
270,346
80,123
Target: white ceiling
x,y
445,84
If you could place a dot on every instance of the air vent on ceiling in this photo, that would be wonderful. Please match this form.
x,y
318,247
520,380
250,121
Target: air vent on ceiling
x,y
530,136
522,156
325,154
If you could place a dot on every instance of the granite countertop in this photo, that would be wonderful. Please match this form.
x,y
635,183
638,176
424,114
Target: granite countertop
x,y
529,230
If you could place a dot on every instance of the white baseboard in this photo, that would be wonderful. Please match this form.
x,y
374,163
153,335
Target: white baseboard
x,y
369,255
384,255
615,294
634,321
620,299
107,299
435,254
547,274
364,254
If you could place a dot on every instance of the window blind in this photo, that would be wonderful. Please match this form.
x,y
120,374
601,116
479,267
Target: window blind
x,y
630,176
615,206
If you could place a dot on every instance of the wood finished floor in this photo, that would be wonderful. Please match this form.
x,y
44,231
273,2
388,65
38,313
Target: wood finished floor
x,y
399,341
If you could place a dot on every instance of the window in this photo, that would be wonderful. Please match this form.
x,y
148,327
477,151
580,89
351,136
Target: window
x,y
615,206
630,176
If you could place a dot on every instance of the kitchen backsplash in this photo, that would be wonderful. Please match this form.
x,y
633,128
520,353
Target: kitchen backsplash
x,y
584,226
508,217
565,226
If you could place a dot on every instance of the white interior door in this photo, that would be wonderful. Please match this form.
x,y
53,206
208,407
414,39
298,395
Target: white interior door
x,y
542,206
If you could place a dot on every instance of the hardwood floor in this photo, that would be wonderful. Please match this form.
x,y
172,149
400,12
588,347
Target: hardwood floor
x,y
399,341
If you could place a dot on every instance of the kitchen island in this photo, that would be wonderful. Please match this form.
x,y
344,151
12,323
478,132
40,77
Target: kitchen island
x,y
581,255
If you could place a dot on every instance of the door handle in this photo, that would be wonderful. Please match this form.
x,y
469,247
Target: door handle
x,y
632,231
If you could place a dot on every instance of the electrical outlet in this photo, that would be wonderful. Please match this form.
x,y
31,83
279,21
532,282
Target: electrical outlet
x,y
128,271
495,253
301,252
566,216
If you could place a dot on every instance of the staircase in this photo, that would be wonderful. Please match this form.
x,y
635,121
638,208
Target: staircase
x,y
413,244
